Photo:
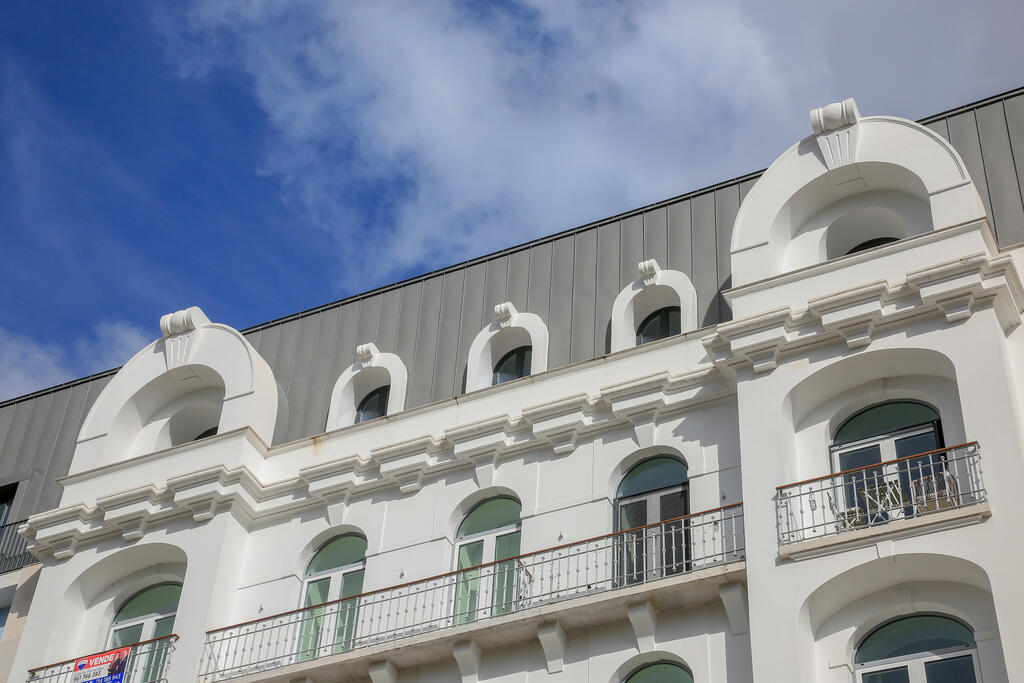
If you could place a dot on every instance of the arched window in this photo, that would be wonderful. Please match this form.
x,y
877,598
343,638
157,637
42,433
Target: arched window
x,y
147,615
924,648
654,490
871,244
882,481
662,672
334,574
212,431
662,323
513,365
374,404
489,535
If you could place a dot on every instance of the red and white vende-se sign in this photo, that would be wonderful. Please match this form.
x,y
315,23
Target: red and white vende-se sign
x,y
105,667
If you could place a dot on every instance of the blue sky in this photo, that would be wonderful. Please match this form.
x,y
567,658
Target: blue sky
x,y
259,158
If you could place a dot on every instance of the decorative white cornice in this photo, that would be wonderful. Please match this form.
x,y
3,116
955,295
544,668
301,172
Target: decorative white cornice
x,y
405,465
955,289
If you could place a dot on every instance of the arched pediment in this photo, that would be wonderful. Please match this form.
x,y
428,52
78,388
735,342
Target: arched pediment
x,y
871,161
510,329
197,371
372,369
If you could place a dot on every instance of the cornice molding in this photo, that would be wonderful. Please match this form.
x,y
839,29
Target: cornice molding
x,y
955,289
406,465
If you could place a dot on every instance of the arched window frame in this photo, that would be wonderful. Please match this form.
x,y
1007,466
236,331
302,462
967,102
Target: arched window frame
x,y
685,676
379,408
664,317
653,290
153,625
915,664
372,370
509,330
521,356
866,490
483,568
343,581
649,549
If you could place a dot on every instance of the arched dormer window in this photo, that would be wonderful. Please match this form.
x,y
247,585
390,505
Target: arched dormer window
x,y
371,387
198,376
662,323
874,447
658,304
856,178
510,332
871,244
374,405
488,535
147,615
923,648
654,490
662,672
334,575
513,365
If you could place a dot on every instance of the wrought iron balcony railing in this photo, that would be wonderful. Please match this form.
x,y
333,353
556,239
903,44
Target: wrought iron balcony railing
x,y
144,662
870,496
13,548
635,556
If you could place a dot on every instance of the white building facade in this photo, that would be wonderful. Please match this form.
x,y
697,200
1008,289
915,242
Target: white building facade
x,y
822,488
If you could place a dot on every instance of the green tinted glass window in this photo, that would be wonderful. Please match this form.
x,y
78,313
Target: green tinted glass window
x,y
513,365
374,405
661,673
658,325
492,514
651,475
338,552
911,635
129,635
884,419
161,599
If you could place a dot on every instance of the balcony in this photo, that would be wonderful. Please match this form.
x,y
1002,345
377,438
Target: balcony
x,y
13,549
941,487
499,594
144,662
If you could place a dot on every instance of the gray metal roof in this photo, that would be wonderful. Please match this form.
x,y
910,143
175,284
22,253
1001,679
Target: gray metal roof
x,y
569,279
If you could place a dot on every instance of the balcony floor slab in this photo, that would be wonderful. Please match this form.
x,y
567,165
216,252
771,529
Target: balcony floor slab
x,y
574,614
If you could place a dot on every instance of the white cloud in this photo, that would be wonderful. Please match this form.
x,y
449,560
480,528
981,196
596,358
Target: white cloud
x,y
27,365
469,127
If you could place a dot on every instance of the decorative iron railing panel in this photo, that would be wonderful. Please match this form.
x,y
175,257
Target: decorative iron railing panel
x,y
144,662
635,556
14,552
870,496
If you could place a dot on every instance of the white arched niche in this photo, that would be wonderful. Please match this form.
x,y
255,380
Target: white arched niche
x,y
856,179
510,330
839,613
652,290
821,402
92,599
199,377
373,369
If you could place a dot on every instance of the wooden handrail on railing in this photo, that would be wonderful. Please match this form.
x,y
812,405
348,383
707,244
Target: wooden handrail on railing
x,y
477,567
93,654
877,464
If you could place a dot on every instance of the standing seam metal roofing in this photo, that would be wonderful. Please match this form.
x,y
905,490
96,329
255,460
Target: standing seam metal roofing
x,y
570,279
